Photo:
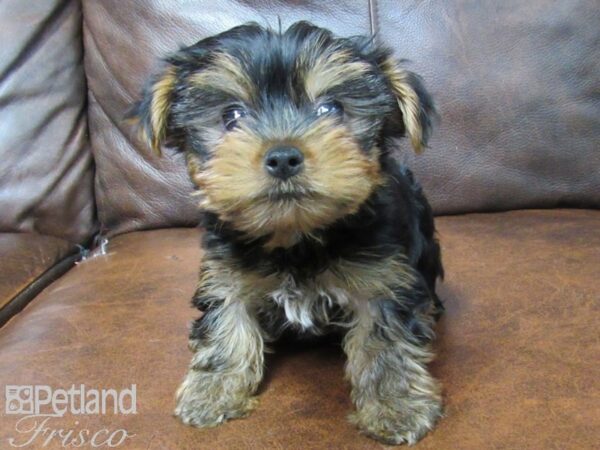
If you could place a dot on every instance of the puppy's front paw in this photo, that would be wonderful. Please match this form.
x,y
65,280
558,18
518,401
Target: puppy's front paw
x,y
207,399
400,421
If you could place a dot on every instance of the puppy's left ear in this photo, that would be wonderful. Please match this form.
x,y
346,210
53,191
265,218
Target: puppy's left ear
x,y
416,105
152,113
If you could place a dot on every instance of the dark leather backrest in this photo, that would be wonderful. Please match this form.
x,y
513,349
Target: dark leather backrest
x,y
518,87
46,168
515,83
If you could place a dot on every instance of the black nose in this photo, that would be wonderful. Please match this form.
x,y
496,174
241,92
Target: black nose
x,y
284,161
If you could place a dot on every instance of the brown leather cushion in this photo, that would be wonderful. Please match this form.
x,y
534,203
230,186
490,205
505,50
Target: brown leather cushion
x,y
28,263
518,346
46,174
515,85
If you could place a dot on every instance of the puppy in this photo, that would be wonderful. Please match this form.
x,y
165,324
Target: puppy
x,y
310,225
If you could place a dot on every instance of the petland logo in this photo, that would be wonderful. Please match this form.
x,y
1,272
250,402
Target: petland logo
x,y
40,405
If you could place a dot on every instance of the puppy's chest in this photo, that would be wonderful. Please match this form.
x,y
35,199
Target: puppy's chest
x,y
332,297
309,305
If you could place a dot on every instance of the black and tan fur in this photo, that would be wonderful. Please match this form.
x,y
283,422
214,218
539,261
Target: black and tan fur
x,y
346,245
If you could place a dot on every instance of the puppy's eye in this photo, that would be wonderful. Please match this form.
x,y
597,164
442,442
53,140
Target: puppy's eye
x,y
232,115
330,108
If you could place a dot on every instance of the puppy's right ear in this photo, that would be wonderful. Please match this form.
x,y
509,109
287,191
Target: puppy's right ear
x,y
152,114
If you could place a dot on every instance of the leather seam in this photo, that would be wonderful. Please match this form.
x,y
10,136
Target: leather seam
x,y
30,292
373,24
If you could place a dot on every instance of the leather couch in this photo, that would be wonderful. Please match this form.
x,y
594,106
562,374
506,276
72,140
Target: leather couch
x,y
513,174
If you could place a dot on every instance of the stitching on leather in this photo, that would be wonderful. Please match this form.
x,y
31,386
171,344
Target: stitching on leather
x,y
373,18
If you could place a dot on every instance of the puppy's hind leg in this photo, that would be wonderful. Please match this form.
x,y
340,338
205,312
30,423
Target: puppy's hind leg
x,y
226,368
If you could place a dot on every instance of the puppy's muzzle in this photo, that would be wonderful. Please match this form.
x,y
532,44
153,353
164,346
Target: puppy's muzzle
x,y
284,161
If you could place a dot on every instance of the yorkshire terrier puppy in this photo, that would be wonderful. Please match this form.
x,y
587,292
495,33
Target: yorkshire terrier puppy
x,y
311,225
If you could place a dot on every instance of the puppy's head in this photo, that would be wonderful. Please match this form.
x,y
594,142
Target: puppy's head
x,y
284,132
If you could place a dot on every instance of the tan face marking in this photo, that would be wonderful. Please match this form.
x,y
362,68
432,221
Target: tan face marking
x,y
227,74
329,70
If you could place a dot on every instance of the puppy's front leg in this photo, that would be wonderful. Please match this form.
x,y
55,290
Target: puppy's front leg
x,y
397,401
226,368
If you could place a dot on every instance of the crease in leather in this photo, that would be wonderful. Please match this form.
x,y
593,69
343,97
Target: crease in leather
x,y
91,42
37,40
47,185
52,185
